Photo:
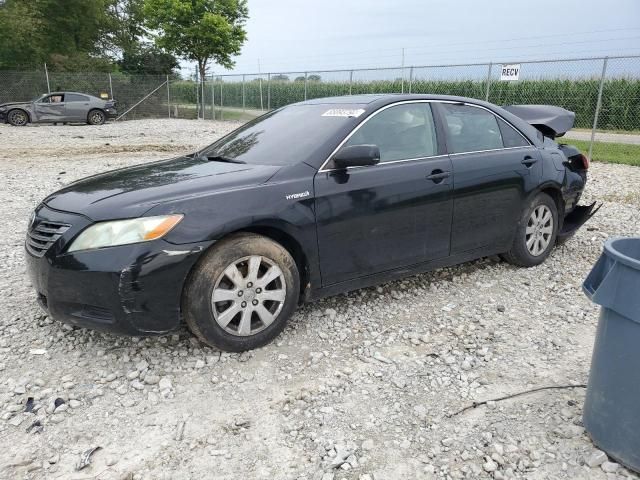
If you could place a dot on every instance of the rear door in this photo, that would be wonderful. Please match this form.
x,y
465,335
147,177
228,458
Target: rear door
x,y
77,107
393,214
494,169
51,108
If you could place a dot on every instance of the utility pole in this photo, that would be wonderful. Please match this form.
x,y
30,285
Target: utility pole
x,y
402,71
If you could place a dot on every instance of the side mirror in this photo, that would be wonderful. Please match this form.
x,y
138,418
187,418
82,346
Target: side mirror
x,y
357,156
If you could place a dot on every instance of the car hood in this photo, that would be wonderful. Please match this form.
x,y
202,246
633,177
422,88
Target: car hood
x,y
130,192
15,104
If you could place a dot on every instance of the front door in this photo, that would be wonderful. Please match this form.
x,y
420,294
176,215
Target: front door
x,y
51,108
494,168
390,215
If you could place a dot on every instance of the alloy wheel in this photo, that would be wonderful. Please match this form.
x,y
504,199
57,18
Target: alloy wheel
x,y
95,118
248,296
19,118
539,230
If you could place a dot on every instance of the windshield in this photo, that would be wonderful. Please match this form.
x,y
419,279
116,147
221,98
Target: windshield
x,y
285,136
38,98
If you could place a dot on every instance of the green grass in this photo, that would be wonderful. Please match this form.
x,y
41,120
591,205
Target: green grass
x,y
608,152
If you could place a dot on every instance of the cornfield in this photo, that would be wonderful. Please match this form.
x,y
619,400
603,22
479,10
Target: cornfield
x,y
620,98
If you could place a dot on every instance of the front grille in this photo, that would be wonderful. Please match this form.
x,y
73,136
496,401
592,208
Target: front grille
x,y
45,234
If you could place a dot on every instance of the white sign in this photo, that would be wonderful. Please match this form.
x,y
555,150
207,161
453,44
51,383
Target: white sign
x,y
510,72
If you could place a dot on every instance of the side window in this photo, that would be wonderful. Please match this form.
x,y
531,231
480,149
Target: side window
x,y
510,136
73,97
471,129
401,132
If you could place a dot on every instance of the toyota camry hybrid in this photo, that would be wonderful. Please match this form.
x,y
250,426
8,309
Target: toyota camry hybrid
x,y
310,200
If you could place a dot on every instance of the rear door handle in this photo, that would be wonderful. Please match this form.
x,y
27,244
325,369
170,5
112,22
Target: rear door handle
x,y
438,176
529,161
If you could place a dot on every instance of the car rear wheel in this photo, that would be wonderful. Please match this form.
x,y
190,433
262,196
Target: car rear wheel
x,y
241,293
18,118
96,117
536,233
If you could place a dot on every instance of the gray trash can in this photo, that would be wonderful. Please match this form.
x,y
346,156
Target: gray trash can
x,y
612,405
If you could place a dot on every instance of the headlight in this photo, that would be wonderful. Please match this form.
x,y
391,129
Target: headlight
x,y
4,109
124,232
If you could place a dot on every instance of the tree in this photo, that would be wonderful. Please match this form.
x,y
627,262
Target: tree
x,y
20,35
280,78
314,78
149,60
199,30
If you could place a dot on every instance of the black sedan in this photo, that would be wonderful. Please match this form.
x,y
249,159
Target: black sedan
x,y
312,199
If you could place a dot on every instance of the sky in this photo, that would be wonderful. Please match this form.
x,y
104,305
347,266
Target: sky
x,y
299,35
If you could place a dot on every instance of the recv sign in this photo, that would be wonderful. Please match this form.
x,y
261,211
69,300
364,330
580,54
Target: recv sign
x,y
510,72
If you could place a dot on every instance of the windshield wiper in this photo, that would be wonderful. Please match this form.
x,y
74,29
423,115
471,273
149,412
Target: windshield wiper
x,y
221,158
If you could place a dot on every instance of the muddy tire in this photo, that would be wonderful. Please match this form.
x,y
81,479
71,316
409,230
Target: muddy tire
x,y
18,118
96,117
241,293
536,233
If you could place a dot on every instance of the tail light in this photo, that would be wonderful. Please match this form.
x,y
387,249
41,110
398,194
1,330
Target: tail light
x,y
585,161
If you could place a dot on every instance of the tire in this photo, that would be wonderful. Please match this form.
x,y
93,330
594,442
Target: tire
x,y
245,313
96,117
536,233
18,118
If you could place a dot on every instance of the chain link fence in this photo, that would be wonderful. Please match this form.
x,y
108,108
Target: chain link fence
x,y
604,92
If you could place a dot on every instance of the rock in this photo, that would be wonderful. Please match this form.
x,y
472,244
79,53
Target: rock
x,y
110,461
490,465
596,458
151,379
501,308
165,383
368,445
137,385
609,467
75,403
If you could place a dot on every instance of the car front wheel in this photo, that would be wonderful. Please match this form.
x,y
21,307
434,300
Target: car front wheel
x,y
18,118
96,117
536,233
242,292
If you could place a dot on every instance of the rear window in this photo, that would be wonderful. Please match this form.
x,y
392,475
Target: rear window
x,y
74,97
285,136
471,129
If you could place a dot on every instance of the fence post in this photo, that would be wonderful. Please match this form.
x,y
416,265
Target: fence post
x,y
268,91
598,105
46,74
350,81
305,86
486,96
110,86
410,78
221,109
243,95
168,96
213,97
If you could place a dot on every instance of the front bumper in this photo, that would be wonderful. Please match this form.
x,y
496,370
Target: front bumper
x,y
111,112
3,117
130,289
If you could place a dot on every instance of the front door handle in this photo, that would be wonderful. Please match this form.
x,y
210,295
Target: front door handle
x,y
529,161
438,176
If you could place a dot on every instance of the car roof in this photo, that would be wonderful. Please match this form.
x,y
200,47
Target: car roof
x,y
76,93
372,102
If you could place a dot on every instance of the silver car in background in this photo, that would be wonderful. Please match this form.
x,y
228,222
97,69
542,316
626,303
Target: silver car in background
x,y
59,107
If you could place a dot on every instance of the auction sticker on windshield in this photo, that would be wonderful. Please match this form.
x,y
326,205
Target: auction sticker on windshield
x,y
343,112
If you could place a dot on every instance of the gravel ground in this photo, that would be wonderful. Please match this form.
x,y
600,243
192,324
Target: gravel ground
x,y
359,386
